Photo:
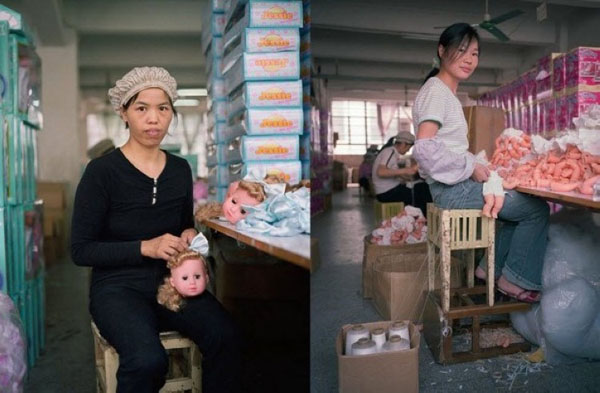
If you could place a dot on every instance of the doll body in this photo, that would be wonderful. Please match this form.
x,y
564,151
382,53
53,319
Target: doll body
x,y
493,195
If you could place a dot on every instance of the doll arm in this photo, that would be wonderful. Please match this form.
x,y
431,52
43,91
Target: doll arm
x,y
89,212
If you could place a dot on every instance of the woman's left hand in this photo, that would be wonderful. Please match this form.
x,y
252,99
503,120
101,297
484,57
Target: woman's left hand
x,y
188,235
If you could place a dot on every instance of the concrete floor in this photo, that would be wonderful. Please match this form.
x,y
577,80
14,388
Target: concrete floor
x,y
67,362
336,300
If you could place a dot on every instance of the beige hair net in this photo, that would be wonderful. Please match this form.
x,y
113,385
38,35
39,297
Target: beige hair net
x,y
138,79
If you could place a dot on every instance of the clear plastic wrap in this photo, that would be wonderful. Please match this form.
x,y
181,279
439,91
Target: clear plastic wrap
x,y
566,323
13,362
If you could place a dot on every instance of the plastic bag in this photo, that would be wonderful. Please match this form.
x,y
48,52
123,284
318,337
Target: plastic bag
x,y
13,363
566,323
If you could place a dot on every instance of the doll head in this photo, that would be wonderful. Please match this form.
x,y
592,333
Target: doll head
x,y
242,193
246,193
188,278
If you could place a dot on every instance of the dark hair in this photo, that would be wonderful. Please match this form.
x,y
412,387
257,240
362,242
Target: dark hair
x,y
390,142
134,98
451,39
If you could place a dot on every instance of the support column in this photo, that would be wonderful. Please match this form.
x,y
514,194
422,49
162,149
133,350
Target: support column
x,y
61,144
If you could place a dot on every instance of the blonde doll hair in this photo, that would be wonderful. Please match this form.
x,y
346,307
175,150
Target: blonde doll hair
x,y
167,294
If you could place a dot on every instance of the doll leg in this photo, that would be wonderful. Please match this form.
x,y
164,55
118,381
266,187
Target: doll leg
x,y
487,205
498,203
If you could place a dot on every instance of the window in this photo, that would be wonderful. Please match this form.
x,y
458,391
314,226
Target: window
x,y
355,122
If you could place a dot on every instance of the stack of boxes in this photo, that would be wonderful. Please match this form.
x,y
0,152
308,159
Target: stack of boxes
x,y
21,235
219,158
305,72
546,99
262,94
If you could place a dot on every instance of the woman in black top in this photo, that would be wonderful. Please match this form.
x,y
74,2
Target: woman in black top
x,y
133,210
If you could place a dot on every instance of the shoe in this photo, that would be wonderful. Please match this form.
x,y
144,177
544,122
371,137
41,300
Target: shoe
x,y
524,295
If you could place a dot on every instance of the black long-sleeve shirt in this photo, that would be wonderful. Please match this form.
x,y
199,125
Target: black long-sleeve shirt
x,y
114,211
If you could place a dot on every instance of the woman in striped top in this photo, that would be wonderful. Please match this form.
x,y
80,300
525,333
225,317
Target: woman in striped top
x,y
456,180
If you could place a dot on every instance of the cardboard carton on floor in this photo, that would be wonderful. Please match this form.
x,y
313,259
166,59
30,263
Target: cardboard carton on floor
x,y
373,251
384,372
53,194
400,284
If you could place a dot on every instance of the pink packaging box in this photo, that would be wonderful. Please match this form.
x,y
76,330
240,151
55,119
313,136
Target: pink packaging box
x,y
550,115
543,88
582,67
562,117
544,63
534,119
526,119
558,73
578,103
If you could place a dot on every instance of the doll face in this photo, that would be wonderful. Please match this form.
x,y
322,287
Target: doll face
x,y
232,207
189,278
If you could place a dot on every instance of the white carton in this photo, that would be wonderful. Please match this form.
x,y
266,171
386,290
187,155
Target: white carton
x,y
263,66
263,148
291,170
274,121
264,95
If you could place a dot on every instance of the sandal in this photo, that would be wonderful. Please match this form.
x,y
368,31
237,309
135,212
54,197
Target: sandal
x,y
524,295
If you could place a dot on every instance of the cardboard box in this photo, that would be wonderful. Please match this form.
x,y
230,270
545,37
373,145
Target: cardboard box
x,y
400,284
581,68
485,125
54,222
384,372
373,251
53,194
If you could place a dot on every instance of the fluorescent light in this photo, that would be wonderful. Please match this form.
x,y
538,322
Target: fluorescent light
x,y
192,92
188,102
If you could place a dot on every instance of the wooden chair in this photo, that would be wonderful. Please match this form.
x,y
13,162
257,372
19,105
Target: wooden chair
x,y
184,364
459,229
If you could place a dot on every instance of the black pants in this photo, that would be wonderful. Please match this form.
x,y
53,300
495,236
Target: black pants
x,y
128,316
364,183
418,196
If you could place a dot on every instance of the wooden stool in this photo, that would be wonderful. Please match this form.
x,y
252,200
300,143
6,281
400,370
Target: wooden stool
x,y
387,210
184,368
459,229
463,229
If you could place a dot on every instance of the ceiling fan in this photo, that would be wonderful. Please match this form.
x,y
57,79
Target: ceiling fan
x,y
489,23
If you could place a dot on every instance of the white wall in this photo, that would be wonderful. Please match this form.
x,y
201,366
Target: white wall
x,y
60,143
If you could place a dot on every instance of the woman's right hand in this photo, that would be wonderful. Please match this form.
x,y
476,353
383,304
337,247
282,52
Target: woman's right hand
x,y
163,247
480,173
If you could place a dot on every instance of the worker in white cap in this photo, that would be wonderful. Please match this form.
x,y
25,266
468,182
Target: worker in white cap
x,y
395,174
133,211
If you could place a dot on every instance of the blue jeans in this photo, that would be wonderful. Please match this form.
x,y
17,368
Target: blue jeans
x,y
521,233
